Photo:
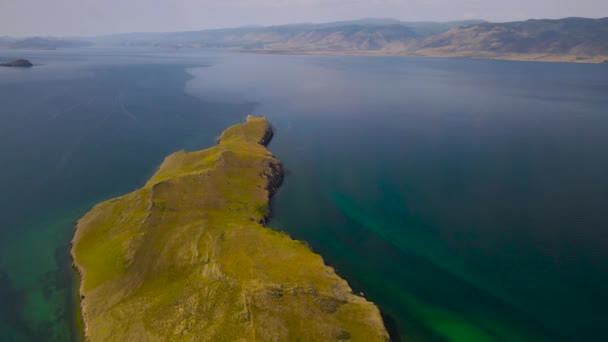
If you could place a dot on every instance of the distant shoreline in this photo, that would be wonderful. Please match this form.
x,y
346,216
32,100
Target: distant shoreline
x,y
572,40
506,57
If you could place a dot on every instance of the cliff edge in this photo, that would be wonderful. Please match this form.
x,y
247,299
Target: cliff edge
x,y
186,258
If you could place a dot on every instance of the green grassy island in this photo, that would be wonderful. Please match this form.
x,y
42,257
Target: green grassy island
x,y
187,258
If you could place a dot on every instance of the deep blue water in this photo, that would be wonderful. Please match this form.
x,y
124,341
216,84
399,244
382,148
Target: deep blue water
x,y
465,197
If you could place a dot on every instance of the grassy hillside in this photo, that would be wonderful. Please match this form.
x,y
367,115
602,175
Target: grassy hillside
x,y
361,35
346,38
573,39
186,258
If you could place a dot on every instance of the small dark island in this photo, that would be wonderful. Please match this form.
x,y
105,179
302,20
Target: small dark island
x,y
19,63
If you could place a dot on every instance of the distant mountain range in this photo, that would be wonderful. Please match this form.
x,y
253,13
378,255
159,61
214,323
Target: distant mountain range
x,y
355,35
569,39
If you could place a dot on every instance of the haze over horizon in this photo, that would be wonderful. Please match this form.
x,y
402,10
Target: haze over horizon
x,y
94,17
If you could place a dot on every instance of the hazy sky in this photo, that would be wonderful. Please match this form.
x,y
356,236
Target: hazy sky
x,y
88,17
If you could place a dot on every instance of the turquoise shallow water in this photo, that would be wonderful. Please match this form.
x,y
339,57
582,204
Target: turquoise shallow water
x,y
465,197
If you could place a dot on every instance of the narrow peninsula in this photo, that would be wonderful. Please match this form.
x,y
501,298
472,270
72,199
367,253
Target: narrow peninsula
x,y
188,258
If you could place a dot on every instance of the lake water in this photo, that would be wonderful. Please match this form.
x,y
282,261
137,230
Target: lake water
x,y
465,197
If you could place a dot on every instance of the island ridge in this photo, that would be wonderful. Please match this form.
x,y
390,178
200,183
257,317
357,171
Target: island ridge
x,y
187,258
